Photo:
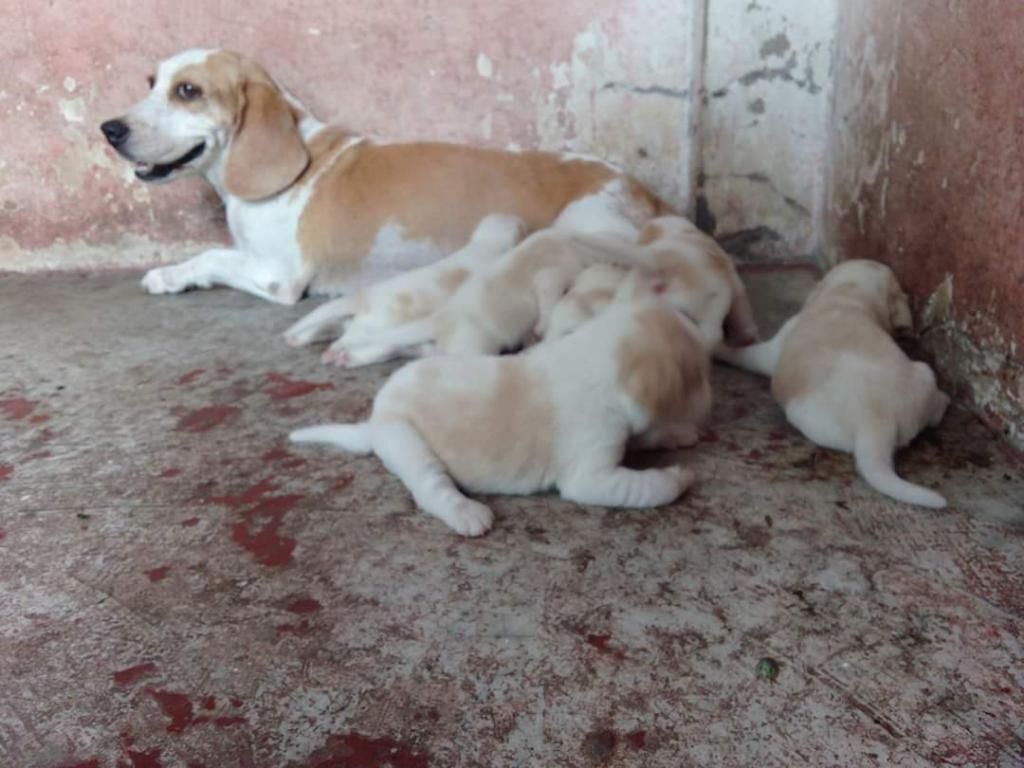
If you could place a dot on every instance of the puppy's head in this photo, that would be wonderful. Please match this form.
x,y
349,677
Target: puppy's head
x,y
210,109
873,283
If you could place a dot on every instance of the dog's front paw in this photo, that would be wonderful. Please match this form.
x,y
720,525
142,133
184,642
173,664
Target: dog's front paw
x,y
470,518
683,477
338,355
164,280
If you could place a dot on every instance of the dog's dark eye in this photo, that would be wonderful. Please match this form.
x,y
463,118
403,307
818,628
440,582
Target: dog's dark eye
x,y
152,81
188,91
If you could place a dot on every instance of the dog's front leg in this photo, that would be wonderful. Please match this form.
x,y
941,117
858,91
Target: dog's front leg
x,y
230,267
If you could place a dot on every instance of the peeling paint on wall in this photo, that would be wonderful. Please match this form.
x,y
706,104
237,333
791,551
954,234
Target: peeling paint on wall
x,y
926,176
764,128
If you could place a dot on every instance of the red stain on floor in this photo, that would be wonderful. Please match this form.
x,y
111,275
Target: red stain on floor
x,y
259,532
354,750
304,605
6,470
177,707
94,763
40,418
210,702
190,522
301,629
287,460
190,377
149,759
259,529
17,408
227,722
158,574
131,674
637,739
281,387
170,472
3,534
602,644
205,419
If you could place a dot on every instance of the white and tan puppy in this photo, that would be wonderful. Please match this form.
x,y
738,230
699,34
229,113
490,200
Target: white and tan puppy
x,y
314,207
686,268
558,416
842,380
592,291
494,310
411,295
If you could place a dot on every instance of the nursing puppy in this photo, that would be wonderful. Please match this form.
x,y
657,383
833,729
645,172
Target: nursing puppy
x,y
592,291
557,416
684,267
409,296
842,380
494,310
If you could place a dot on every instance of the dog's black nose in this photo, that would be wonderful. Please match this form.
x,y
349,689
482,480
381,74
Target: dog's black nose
x,y
116,131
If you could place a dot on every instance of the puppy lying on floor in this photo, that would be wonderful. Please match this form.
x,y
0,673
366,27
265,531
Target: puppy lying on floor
x,y
559,415
687,268
842,380
411,295
495,309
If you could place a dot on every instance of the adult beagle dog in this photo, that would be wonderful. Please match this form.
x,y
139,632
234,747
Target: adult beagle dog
x,y
315,207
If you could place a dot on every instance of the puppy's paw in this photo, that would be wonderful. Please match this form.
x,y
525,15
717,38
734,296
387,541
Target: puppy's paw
x,y
684,478
300,334
470,518
168,280
337,355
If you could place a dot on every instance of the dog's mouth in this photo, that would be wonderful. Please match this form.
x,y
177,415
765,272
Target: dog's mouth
x,y
157,171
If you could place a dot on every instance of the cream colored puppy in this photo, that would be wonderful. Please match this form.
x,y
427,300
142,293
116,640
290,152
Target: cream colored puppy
x,y
408,296
842,380
592,291
497,308
685,267
557,416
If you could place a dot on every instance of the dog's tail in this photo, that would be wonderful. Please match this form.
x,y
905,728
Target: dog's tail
x,y
354,438
872,449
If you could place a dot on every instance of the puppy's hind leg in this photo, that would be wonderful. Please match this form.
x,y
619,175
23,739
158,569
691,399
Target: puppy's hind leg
x,y
324,322
405,453
623,487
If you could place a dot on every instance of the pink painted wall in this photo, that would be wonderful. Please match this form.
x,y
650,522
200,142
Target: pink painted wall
x,y
928,176
605,76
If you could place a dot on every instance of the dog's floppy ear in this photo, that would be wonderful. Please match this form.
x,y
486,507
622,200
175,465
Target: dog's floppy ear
x,y
267,153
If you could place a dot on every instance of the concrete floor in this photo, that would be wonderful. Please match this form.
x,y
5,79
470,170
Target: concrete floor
x,y
180,588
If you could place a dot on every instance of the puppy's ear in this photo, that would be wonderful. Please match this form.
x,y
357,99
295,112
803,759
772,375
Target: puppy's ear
x,y
901,320
267,153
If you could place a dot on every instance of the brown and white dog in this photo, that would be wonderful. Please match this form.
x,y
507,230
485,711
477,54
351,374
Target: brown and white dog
x,y
844,382
557,416
314,207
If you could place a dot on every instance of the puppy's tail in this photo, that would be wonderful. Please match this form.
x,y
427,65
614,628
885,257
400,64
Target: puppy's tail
x,y
872,450
354,438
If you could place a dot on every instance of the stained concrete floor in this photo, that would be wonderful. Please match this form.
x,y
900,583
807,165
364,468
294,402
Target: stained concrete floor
x,y
178,587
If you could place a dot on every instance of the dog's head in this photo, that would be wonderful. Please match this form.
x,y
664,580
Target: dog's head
x,y
213,111
874,284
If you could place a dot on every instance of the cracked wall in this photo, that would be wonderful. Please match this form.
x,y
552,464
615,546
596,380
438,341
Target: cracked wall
x,y
927,150
609,77
763,127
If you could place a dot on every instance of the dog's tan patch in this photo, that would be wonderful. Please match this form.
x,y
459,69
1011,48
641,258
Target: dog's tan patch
x,y
408,184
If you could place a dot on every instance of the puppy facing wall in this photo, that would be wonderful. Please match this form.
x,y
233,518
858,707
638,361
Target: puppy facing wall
x,y
557,416
683,265
842,380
